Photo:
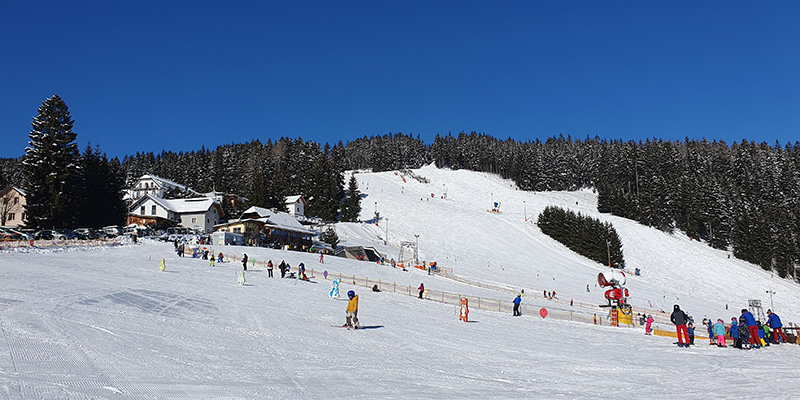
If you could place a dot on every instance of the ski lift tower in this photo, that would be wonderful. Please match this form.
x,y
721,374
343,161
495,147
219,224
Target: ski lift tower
x,y
755,308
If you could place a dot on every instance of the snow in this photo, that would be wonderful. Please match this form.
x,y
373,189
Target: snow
x,y
106,323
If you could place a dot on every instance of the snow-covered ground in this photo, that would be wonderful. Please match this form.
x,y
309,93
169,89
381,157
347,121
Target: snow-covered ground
x,y
106,323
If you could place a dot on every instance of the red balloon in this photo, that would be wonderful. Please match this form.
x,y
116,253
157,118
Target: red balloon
x,y
543,312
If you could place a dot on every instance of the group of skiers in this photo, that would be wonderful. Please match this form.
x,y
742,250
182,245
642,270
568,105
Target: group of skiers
x,y
746,331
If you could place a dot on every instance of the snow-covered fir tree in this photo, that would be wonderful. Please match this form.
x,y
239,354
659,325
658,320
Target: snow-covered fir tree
x,y
51,166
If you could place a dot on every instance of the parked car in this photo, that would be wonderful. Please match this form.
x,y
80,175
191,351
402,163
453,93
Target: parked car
x,y
9,234
87,233
55,234
111,231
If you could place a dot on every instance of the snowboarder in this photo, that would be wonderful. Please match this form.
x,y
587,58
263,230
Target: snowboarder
x,y
269,269
375,288
752,328
421,289
679,318
352,310
244,262
517,301
774,322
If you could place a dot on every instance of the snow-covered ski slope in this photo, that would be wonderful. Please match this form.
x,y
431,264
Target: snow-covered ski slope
x,y
107,324
502,248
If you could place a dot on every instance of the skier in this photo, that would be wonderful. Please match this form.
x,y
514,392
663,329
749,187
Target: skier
x,y
244,262
282,267
719,330
737,342
421,289
679,318
774,322
212,259
647,328
352,311
321,255
587,288
517,301
221,258
744,333
302,272
269,269
711,332
752,328
690,331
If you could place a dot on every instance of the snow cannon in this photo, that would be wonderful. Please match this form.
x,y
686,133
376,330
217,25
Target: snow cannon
x,y
611,278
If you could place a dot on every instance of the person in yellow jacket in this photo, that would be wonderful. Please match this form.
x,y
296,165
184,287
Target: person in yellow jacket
x,y
352,310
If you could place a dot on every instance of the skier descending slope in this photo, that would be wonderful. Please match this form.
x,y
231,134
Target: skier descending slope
x,y
679,318
352,311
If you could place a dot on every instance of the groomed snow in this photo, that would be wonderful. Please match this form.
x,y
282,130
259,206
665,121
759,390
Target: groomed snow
x,y
106,323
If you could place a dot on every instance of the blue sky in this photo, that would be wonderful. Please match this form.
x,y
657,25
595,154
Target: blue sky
x,y
146,76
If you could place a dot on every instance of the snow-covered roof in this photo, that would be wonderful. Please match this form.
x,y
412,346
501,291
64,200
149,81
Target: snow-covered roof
x,y
163,182
277,219
180,206
294,199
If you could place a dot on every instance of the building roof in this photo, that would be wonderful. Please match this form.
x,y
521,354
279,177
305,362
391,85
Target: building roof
x,y
277,219
163,182
180,206
295,199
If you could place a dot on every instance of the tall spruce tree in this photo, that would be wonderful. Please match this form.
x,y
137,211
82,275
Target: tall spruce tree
x,y
100,201
351,206
51,166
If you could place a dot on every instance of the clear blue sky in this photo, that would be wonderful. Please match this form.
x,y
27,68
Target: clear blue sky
x,y
147,76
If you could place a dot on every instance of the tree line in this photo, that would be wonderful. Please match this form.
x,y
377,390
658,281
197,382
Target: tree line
x,y
742,197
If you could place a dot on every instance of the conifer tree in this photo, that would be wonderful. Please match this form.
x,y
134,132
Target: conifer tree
x,y
351,206
51,166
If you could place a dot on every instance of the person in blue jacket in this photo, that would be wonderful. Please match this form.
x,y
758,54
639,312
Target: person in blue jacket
x,y
774,322
752,327
690,331
711,332
517,301
737,343
762,337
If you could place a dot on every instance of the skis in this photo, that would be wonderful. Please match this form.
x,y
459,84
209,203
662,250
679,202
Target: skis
x,y
349,328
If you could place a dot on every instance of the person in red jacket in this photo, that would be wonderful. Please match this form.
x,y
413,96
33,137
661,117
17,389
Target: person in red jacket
x,y
421,289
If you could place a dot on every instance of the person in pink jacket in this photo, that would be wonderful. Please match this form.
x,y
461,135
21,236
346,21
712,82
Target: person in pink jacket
x,y
647,329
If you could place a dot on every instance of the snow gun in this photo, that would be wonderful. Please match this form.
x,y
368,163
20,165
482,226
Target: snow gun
x,y
617,296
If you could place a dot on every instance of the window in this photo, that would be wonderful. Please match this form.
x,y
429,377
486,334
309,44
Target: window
x,y
16,200
11,216
141,210
194,220
153,209
237,230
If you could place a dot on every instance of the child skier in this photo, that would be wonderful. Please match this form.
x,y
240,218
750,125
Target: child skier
x,y
719,331
711,332
737,342
352,311
647,329
212,259
690,330
744,333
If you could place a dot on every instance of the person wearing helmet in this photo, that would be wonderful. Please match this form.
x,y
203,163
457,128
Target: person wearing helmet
x,y
352,310
679,318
